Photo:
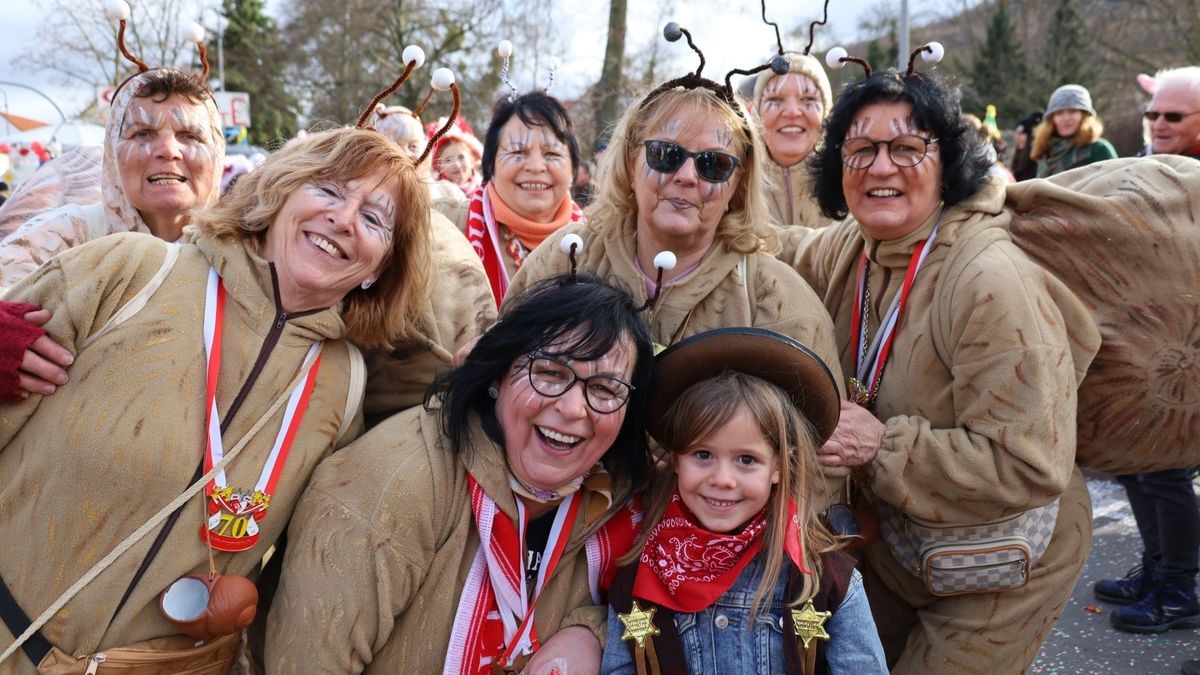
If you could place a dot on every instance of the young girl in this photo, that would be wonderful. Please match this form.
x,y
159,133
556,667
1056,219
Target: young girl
x,y
733,572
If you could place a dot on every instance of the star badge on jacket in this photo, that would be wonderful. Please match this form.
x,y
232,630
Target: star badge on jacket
x,y
809,623
639,624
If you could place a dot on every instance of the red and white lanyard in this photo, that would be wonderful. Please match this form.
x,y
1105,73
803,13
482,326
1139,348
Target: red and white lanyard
x,y
517,610
255,502
871,359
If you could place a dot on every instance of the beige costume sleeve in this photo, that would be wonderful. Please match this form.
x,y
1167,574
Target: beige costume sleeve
x,y
359,545
459,309
39,240
1012,445
81,299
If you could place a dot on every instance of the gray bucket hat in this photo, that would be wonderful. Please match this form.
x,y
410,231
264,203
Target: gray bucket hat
x,y
1070,97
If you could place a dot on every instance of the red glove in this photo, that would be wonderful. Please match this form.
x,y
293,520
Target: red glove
x,y
16,335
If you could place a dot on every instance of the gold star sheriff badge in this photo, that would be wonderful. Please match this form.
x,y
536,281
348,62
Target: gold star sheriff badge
x,y
639,624
809,623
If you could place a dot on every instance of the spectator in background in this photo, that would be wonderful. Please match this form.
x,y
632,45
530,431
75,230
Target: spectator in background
x,y
1023,166
1070,135
1161,591
1174,113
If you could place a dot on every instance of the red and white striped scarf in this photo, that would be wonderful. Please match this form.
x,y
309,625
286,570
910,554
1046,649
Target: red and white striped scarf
x,y
495,617
484,234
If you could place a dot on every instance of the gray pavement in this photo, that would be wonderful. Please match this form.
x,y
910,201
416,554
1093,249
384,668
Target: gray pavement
x,y
1083,642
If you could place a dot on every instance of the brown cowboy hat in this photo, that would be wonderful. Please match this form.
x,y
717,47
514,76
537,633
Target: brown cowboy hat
x,y
766,354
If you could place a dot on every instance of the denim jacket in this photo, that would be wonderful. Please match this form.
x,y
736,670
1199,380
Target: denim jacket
x,y
715,638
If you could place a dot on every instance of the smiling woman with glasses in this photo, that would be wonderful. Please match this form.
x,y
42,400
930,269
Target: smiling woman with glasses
x,y
478,526
962,376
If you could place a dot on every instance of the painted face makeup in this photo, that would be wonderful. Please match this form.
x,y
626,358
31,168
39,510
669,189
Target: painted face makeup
x,y
727,478
791,113
887,200
679,211
328,238
533,170
166,157
551,441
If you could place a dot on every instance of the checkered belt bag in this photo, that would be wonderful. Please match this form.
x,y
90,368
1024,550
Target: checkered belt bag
x,y
953,560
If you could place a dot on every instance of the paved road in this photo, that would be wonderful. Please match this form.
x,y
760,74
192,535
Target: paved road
x,y
1084,642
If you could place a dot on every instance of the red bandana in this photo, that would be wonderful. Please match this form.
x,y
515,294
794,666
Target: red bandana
x,y
686,567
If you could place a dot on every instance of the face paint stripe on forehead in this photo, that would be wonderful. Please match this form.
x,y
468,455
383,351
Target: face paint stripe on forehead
x,y
861,126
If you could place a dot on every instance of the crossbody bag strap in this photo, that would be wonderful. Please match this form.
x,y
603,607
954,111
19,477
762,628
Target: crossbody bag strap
x,y
354,393
157,518
138,301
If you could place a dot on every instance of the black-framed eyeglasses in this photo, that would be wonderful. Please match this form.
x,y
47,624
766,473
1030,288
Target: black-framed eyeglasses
x,y
552,378
905,150
711,165
1170,117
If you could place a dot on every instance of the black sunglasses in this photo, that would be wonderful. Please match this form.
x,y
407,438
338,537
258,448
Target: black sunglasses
x,y
668,157
1170,117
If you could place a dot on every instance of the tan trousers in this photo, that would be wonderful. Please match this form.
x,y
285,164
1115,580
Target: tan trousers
x,y
980,633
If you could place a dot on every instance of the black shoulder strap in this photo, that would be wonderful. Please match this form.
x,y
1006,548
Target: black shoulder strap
x,y
37,646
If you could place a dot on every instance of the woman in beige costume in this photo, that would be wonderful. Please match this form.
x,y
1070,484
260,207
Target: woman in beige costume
x,y
708,210
322,244
968,416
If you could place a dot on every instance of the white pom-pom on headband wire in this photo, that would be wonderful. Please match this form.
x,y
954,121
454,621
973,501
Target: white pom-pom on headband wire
x,y
414,57
505,50
116,10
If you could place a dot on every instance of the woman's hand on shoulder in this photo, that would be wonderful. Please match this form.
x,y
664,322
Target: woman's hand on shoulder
x,y
856,440
42,367
573,650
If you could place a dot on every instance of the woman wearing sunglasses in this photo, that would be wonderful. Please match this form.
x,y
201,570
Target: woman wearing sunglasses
x,y
1069,135
685,173
964,377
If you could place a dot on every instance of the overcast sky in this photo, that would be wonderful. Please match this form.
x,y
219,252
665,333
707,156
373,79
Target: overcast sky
x,y
727,37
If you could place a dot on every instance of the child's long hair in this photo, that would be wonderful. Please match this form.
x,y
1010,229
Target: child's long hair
x,y
708,406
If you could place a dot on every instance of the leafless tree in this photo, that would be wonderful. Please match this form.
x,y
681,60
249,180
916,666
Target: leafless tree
x,y
77,43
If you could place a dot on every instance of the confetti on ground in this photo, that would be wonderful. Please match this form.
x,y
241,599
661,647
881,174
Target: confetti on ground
x,y
1093,609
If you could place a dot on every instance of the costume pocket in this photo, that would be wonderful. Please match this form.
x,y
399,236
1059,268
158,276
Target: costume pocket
x,y
161,656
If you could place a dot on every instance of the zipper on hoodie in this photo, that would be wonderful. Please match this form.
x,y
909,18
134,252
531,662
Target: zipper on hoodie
x,y
787,185
268,346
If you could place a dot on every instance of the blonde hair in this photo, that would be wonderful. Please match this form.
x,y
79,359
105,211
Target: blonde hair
x,y
1090,130
708,406
389,310
744,227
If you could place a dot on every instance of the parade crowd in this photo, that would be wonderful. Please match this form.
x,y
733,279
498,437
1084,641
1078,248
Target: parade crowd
x,y
838,353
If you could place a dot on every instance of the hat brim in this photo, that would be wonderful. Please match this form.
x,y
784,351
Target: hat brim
x,y
765,354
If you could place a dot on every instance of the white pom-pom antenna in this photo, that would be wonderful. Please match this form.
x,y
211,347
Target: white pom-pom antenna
x,y
116,10
192,32
414,55
570,240
933,53
442,79
505,48
834,57
665,261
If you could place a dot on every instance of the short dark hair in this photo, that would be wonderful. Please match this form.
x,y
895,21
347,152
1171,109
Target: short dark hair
x,y
536,109
935,109
592,316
